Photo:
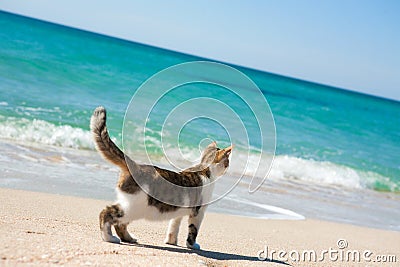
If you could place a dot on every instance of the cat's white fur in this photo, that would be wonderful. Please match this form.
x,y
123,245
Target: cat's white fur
x,y
135,207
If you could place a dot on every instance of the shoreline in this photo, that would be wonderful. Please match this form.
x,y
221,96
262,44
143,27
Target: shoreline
x,y
46,229
83,173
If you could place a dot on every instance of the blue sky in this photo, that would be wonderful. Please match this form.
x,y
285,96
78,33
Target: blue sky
x,y
349,44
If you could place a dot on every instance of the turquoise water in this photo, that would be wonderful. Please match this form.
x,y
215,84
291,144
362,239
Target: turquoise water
x,y
52,77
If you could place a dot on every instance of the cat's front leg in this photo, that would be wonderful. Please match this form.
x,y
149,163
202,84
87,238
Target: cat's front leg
x,y
173,231
195,220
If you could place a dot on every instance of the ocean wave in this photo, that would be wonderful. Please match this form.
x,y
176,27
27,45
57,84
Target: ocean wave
x,y
327,173
284,167
43,132
288,167
323,173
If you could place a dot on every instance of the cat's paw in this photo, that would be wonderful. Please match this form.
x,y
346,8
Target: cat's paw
x,y
195,246
111,239
131,240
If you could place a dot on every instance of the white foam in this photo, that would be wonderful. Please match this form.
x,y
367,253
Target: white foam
x,y
39,131
287,167
278,213
324,173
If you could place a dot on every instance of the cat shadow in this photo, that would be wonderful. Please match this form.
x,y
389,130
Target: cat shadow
x,y
205,253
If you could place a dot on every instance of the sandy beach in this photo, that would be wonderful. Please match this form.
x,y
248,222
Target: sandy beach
x,y
45,229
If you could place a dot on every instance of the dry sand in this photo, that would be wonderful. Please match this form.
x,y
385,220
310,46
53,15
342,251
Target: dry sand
x,y
44,229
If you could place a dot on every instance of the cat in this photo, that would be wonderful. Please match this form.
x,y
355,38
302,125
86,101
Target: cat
x,y
134,203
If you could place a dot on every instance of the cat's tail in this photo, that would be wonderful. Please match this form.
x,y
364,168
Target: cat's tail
x,y
106,147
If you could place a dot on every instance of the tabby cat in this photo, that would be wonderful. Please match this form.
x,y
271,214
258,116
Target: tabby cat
x,y
135,202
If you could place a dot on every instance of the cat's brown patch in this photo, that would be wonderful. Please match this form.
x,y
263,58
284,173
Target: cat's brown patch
x,y
111,214
223,155
127,184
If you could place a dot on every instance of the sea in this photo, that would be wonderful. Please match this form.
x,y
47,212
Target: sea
x,y
336,152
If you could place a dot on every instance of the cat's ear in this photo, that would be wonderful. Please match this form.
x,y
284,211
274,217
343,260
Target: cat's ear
x,y
213,144
209,153
228,150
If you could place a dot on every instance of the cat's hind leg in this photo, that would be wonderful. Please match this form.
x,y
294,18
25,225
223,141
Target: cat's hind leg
x,y
122,232
173,231
195,220
110,216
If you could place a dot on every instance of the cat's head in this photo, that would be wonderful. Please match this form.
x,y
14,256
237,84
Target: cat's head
x,y
216,159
